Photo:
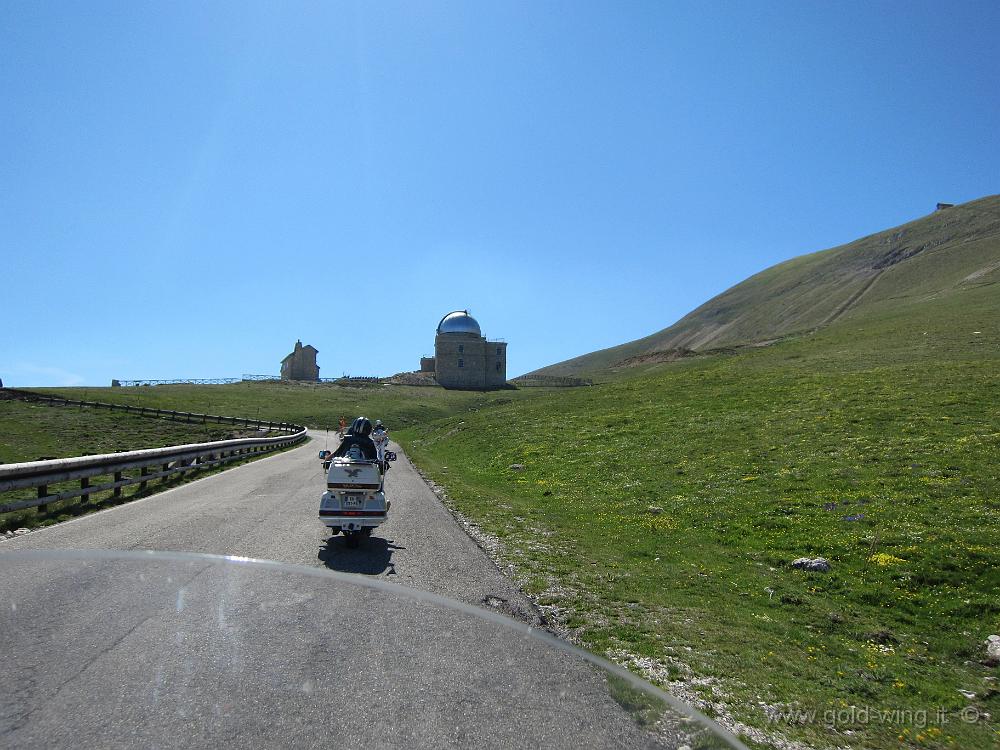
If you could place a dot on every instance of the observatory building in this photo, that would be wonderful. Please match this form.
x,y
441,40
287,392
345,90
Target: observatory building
x,y
463,358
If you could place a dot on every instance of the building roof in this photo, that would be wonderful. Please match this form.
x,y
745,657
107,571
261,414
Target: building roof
x,y
459,321
299,348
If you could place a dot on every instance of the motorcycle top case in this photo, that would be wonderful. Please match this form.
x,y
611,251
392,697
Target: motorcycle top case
x,y
345,474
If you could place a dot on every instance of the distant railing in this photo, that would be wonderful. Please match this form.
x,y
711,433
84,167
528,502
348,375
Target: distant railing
x,y
175,381
244,379
40,475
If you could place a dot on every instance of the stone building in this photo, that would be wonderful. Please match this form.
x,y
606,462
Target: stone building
x,y
301,363
463,358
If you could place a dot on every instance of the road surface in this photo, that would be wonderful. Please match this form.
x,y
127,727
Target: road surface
x,y
185,652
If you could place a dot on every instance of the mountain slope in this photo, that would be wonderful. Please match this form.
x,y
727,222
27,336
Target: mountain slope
x,y
925,261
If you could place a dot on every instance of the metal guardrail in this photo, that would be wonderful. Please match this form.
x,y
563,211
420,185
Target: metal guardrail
x,y
39,475
171,460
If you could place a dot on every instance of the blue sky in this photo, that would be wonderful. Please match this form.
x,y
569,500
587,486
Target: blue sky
x,y
186,188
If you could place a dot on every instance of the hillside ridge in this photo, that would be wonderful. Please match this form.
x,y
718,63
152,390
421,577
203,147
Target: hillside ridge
x,y
932,255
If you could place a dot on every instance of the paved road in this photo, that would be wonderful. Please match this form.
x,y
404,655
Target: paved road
x,y
189,652
268,510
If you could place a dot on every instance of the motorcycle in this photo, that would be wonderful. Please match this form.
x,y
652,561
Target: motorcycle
x,y
354,502
381,439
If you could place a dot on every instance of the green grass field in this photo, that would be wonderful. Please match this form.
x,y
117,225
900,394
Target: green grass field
x,y
314,405
657,515
32,431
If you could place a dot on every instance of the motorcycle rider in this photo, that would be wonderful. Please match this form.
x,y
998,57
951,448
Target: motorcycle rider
x,y
358,435
380,436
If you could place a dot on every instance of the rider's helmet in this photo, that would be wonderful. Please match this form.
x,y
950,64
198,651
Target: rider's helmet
x,y
361,426
378,423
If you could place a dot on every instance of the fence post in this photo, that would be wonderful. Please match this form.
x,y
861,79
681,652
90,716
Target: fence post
x,y
165,477
143,472
43,490
117,491
84,484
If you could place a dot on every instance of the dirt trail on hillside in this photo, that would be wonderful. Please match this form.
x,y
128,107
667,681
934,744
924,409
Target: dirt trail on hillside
x,y
853,300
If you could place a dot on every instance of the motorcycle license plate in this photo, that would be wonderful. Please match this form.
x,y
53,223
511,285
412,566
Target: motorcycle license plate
x,y
352,502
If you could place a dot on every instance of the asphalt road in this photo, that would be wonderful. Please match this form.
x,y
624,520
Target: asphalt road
x,y
268,510
189,652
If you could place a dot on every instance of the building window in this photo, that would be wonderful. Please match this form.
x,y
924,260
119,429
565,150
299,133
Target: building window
x,y
498,367
498,351
461,348
461,363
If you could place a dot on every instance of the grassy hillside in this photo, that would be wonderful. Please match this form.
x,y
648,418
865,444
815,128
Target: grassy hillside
x,y
940,255
314,405
657,517
29,432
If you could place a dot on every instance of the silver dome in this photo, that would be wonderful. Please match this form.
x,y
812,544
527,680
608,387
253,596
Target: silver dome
x,y
459,322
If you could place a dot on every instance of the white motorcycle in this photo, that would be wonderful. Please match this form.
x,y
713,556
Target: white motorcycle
x,y
354,502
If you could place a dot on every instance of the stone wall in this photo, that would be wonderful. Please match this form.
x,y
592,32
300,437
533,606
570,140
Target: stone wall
x,y
496,364
460,360
467,361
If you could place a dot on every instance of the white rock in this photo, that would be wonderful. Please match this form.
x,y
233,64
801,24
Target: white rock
x,y
992,651
817,564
